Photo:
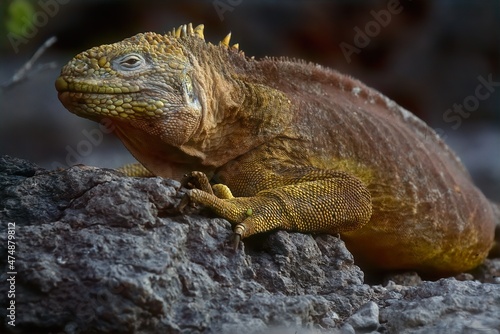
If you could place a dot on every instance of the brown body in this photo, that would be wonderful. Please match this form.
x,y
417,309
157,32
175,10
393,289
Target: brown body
x,y
301,147
426,209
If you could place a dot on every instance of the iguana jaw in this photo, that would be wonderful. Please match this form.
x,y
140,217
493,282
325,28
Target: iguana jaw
x,y
123,106
143,129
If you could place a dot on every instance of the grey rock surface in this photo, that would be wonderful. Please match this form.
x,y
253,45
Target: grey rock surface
x,y
445,306
97,252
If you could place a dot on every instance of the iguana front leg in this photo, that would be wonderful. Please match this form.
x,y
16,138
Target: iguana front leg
x,y
319,201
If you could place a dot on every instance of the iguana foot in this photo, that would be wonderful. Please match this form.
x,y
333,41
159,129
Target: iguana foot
x,y
218,197
199,181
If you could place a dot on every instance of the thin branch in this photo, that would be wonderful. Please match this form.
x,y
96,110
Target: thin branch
x,y
27,69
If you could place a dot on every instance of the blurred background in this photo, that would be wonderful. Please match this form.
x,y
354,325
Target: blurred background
x,y
428,56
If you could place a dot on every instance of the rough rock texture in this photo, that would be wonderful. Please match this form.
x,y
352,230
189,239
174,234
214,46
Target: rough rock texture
x,y
97,252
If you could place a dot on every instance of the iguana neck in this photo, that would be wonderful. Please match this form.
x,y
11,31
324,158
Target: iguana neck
x,y
235,108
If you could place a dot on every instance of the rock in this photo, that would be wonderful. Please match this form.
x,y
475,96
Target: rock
x,y
97,252
406,279
365,320
445,306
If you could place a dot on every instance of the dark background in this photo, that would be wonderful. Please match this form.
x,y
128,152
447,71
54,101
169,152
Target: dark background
x,y
427,58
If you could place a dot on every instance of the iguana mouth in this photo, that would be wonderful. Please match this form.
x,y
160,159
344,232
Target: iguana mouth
x,y
95,88
120,106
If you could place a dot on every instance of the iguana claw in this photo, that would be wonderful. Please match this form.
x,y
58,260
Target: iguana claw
x,y
238,231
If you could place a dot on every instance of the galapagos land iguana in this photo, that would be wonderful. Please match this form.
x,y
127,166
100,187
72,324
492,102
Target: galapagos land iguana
x,y
299,146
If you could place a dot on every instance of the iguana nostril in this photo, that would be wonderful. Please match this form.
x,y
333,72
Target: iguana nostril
x,y
80,67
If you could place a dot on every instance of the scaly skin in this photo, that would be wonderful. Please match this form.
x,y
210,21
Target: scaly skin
x,y
301,148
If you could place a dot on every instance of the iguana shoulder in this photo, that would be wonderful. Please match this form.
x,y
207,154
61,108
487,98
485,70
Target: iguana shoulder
x,y
291,144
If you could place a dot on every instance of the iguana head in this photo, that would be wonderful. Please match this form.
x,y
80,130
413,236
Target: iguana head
x,y
143,79
168,96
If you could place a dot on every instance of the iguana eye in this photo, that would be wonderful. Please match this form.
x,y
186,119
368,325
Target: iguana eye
x,y
130,62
